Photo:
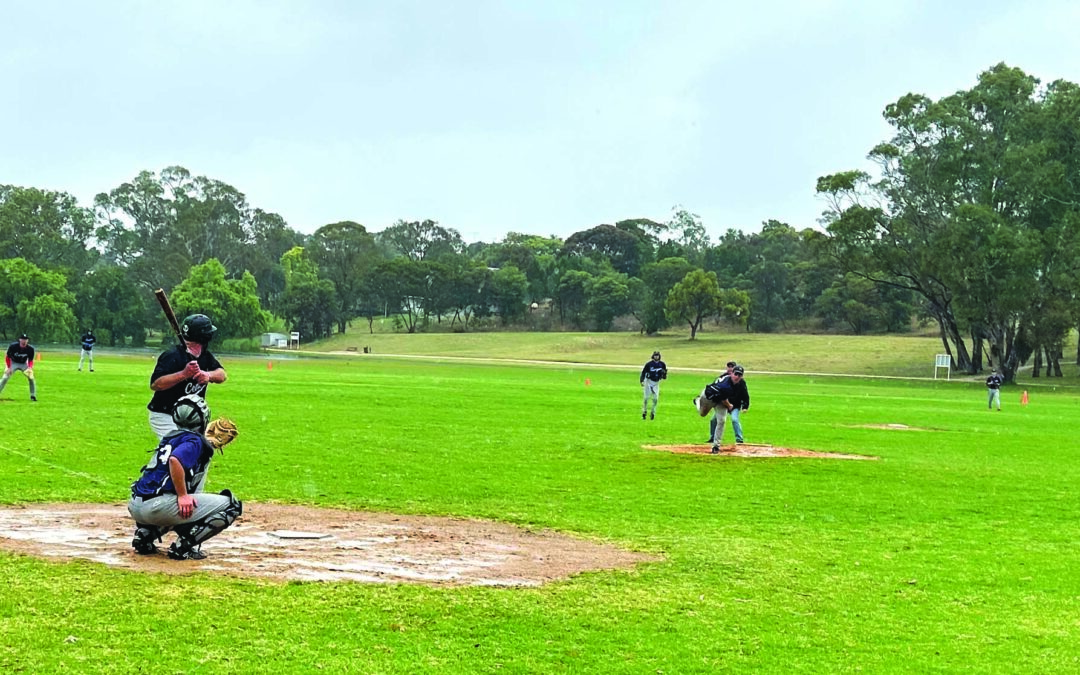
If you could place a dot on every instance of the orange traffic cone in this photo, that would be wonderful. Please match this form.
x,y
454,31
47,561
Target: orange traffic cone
x,y
269,365
587,381
1024,398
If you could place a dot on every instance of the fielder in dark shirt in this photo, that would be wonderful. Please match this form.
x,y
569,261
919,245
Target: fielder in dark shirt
x,y
20,356
654,371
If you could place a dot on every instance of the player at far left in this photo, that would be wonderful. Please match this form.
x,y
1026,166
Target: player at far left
x,y
169,494
185,369
654,371
20,356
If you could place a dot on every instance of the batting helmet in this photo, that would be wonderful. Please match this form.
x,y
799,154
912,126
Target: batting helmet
x,y
191,413
198,328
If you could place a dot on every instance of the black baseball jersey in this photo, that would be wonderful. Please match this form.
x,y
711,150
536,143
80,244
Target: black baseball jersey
x,y
654,370
740,394
995,381
17,354
88,341
173,361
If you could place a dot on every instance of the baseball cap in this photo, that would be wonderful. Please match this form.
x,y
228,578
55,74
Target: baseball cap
x,y
737,370
24,336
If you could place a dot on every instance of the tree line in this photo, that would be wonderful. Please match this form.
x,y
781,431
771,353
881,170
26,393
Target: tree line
x,y
972,224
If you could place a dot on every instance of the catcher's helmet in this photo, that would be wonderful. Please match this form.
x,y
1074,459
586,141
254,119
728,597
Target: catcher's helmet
x,y
198,328
191,413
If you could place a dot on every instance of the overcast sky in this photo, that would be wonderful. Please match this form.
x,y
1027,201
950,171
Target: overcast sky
x,y
545,116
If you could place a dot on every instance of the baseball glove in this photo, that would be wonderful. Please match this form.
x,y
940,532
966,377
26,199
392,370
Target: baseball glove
x,y
221,432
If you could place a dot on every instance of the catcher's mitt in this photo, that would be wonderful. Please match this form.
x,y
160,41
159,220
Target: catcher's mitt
x,y
221,432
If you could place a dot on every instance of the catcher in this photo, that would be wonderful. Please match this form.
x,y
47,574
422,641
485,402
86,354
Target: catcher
x,y
169,496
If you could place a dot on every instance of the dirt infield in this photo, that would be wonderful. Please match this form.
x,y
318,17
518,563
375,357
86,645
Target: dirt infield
x,y
300,543
751,450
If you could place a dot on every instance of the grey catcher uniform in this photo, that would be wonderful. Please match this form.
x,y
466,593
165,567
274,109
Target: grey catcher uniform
x,y
169,494
20,357
654,371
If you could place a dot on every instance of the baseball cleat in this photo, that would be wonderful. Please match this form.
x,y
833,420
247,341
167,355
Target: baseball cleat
x,y
143,543
185,553
143,547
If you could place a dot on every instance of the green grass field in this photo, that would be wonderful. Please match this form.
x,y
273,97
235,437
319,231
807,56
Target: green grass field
x,y
956,552
880,355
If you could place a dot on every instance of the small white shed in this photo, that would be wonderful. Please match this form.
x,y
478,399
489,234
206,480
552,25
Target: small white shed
x,y
275,340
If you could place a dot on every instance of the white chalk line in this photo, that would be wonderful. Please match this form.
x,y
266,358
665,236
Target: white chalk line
x,y
57,467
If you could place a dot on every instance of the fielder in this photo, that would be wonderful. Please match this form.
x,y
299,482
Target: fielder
x,y
184,370
88,341
164,497
654,371
993,390
20,356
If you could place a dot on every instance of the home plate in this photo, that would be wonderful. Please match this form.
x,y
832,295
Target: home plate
x,y
297,534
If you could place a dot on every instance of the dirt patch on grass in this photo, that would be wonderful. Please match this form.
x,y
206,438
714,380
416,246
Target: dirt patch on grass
x,y
751,450
300,543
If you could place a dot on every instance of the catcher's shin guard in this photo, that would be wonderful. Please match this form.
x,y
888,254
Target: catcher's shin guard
x,y
145,536
193,534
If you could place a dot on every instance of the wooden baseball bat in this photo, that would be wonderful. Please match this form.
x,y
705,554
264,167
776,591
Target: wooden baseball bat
x,y
166,307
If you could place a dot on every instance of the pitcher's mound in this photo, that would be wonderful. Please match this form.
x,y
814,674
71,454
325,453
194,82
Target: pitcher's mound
x,y
751,450
308,544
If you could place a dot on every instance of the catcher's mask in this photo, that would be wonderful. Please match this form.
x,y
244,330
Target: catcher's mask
x,y
191,413
198,328
656,355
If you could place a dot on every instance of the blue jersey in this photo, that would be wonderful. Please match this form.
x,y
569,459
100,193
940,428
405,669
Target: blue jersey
x,y
193,453
654,370
721,390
